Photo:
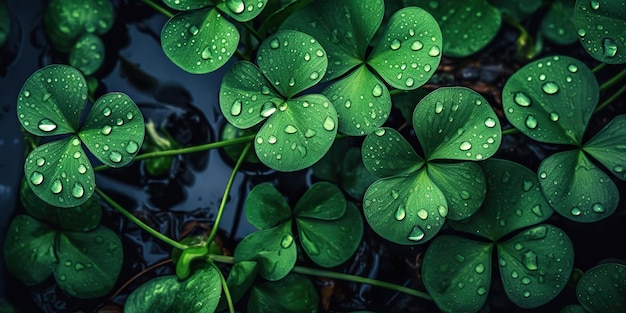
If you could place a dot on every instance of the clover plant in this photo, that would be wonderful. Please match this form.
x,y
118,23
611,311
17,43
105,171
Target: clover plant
x,y
294,293
603,288
558,23
601,28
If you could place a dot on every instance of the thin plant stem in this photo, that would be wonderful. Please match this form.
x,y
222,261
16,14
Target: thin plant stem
x,y
608,101
139,223
229,185
225,288
613,80
128,282
598,67
158,8
251,30
340,276
204,147
510,131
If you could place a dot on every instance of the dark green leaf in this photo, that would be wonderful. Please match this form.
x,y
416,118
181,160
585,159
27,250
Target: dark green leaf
x,y
279,14
355,177
558,24
294,293
187,5
463,184
551,99
609,146
242,10
240,278
601,27
519,10
29,250
67,20
266,207
89,262
535,265
457,273
323,201
386,153
576,188
456,123
330,243
199,41
514,200
602,289
234,151
406,102
87,54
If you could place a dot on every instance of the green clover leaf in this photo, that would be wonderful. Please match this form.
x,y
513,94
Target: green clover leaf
x,y
601,26
558,24
534,264
87,54
603,288
51,103
299,129
294,293
405,58
240,278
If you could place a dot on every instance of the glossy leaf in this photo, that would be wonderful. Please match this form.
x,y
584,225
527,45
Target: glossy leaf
x,y
319,237
272,248
240,279
89,262
466,28
362,102
558,23
609,146
292,61
386,153
409,51
114,129
405,209
242,10
343,27
456,123
323,201
535,265
87,54
514,201
576,188
52,100
266,207
603,288
463,184
199,41
59,173
294,293
84,217
29,250
457,273
601,27
551,99
200,293
187,5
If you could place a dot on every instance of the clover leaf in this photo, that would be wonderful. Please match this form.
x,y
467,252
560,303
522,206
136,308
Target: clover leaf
x,y
84,264
294,293
601,28
240,278
534,264
199,293
87,54
518,10
603,288
51,103
410,202
558,23
299,129
405,58
200,39
466,28
321,216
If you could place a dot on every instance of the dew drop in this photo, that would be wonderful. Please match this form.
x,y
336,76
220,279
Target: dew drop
x,y
438,107
272,139
481,291
206,53
275,44
82,169
132,146
286,241
597,207
443,211
26,93
434,51
309,133
395,44
395,195
595,5
237,6
521,99
514,274
106,129
292,82
377,91
422,213
550,88
554,117
194,30
618,169
56,186
537,210
77,154
46,96
78,191
115,156
106,111
380,132
40,161
530,260
236,108
526,293
417,45
267,109
36,178
480,268
490,122
409,82
575,211
314,75
572,68
400,213
290,129
609,48
518,246
531,122
459,258
329,124
416,234
465,145
47,125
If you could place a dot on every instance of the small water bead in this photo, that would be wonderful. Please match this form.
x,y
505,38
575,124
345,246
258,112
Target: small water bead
x,y
194,30
417,45
434,51
309,245
395,44
380,132
236,6
235,110
531,122
422,213
526,293
480,268
609,48
47,125
286,241
481,291
292,82
521,99
132,147
106,111
395,194
36,178
290,129
56,186
26,93
309,133
518,246
119,121
572,68
46,96
530,260
618,169
526,280
377,91
40,161
329,124
275,44
267,109
78,191
550,88
465,145
82,169
459,258
77,155
314,75
319,53
438,107
514,274
575,211
416,234
542,77
490,122
115,156
595,5
206,53
409,82
400,213
443,211
272,139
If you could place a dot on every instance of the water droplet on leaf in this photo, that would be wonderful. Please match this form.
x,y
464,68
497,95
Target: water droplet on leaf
x,y
416,234
47,125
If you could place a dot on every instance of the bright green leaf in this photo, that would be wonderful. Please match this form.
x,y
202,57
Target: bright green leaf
x,y
514,200
602,289
319,237
405,209
199,41
362,102
89,262
457,273
52,100
535,265
323,201
601,27
200,293
463,184
242,10
609,146
456,123
240,278
294,293
551,99
576,188
114,129
386,153
292,61
410,49
272,248
87,54
29,250
558,23
266,207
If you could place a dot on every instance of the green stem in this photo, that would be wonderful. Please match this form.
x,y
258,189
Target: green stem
x,y
613,80
229,185
208,146
340,276
510,131
608,101
598,67
141,224
158,8
225,288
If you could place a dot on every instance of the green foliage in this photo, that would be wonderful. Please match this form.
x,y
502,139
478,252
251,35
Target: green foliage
x,y
294,293
240,279
87,54
519,10
603,288
601,28
558,23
